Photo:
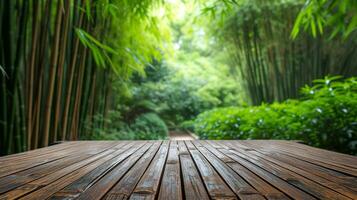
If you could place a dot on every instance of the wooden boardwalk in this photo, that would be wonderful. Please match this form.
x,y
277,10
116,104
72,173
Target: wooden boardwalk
x,y
178,170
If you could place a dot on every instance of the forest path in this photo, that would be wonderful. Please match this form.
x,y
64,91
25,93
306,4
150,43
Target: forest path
x,y
181,135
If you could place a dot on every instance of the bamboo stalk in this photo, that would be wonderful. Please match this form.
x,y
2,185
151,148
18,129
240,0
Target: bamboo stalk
x,y
31,69
70,83
53,69
61,69
40,81
75,119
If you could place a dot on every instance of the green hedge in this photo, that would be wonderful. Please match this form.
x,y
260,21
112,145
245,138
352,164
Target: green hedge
x,y
326,117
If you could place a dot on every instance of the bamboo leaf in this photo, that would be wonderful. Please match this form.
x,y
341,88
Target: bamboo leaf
x,y
98,49
96,42
313,28
296,28
319,25
335,31
351,26
2,70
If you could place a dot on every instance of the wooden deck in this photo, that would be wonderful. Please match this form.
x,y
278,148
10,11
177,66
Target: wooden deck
x,y
178,170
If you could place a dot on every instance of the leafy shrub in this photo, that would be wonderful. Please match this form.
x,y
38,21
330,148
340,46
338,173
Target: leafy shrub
x,y
326,117
148,126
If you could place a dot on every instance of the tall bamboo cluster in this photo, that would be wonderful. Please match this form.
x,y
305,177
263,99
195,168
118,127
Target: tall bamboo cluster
x,y
272,65
52,82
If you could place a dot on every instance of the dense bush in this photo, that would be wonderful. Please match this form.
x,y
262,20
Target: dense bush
x,y
180,100
148,126
326,117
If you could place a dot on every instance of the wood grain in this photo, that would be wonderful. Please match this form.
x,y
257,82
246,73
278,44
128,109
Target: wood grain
x,y
250,169
171,180
216,187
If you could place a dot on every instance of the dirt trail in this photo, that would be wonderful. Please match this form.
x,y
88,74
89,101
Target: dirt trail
x,y
180,135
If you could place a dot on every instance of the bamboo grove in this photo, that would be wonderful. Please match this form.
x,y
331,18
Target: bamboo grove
x,y
66,63
57,70
274,66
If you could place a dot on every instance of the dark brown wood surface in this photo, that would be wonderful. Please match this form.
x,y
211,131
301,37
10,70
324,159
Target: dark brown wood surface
x,y
196,169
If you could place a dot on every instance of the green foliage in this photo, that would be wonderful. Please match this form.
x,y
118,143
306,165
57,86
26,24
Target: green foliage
x,y
325,117
218,7
147,126
98,50
178,94
72,55
117,43
136,34
317,15
272,66
175,87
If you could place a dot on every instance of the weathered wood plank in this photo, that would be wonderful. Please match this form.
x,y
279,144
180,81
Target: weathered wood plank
x,y
171,181
321,154
318,179
216,187
327,174
148,185
80,185
60,174
36,152
293,178
29,156
103,185
192,182
178,170
20,178
259,184
234,181
182,148
268,176
124,188
40,160
119,155
278,146
13,181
